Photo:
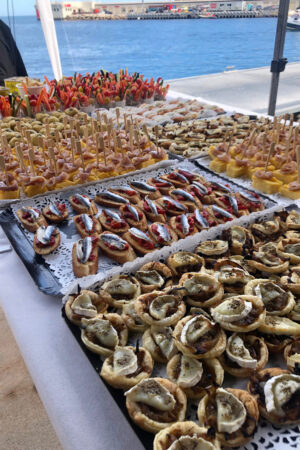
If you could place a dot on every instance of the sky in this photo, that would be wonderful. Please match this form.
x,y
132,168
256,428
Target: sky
x,y
22,7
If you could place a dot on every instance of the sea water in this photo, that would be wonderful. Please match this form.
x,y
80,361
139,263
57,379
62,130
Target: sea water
x,y
167,48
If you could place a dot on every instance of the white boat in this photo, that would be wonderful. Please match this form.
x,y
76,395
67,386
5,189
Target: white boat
x,y
293,22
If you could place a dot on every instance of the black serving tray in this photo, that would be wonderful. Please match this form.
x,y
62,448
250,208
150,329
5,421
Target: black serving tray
x,y
145,437
35,264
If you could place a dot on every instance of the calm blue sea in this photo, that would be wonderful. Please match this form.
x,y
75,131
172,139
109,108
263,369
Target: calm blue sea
x,y
167,48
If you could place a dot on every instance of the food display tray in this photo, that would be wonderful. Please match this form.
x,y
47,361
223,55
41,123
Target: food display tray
x,y
57,267
267,436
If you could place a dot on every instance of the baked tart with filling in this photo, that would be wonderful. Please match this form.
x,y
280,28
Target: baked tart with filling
x,y
244,354
82,204
31,218
160,308
134,216
183,262
46,240
113,221
185,436
289,249
292,355
201,289
56,212
116,248
267,230
84,305
104,333
132,320
241,313
232,413
266,259
199,337
276,298
213,249
232,275
278,395
87,225
155,404
292,234
295,313
239,238
183,225
292,280
120,290
126,367
278,331
196,378
160,343
293,221
154,276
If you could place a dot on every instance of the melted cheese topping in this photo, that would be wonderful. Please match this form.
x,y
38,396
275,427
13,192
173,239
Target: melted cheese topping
x,y
238,352
129,310
191,371
184,258
105,333
194,329
231,310
231,412
279,390
191,443
199,283
160,306
124,361
121,287
152,393
213,247
150,277
83,306
293,249
164,340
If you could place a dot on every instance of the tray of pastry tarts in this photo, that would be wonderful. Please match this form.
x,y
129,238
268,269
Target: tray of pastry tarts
x,y
201,347
97,228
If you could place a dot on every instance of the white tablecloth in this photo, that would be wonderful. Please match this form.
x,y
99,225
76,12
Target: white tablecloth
x,y
80,408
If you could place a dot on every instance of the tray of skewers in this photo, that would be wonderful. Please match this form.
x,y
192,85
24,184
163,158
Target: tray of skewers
x,y
93,229
201,345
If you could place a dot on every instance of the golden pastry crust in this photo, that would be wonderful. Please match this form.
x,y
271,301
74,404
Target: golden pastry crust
x,y
144,370
183,262
82,209
32,226
132,320
150,344
146,423
293,221
172,315
97,301
283,308
212,376
91,342
49,248
246,432
261,354
280,326
204,298
165,438
266,259
118,300
210,348
162,270
295,313
82,230
292,280
239,237
216,248
292,349
251,321
281,250
254,388
53,217
232,275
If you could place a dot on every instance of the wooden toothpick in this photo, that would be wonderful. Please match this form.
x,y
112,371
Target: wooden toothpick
x,y
272,146
298,162
31,161
3,168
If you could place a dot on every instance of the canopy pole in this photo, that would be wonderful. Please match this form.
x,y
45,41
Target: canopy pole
x,y
278,63
47,21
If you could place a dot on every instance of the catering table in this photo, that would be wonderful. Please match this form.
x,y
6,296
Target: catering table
x,y
81,410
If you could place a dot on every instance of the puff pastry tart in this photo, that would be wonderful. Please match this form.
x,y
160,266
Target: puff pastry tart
x,y
116,248
239,238
201,289
276,298
232,275
232,413
160,343
46,240
292,355
83,204
289,249
112,221
134,216
240,313
120,290
292,280
56,212
126,367
293,221
278,395
160,308
185,435
266,259
154,276
209,249
87,225
199,337
196,378
280,326
295,313
31,218
269,229
104,333
84,305
183,262
244,354
132,320
156,403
